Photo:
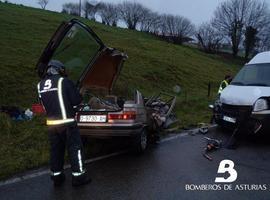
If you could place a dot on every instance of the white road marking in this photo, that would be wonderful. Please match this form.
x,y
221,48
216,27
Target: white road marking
x,y
35,174
22,178
47,171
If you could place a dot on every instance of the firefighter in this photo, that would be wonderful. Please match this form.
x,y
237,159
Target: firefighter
x,y
59,95
227,80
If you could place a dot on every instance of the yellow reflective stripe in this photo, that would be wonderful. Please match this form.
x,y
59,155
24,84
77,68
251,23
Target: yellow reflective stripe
x,y
220,87
58,122
60,97
226,82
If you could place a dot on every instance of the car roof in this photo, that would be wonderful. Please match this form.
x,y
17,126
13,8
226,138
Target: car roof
x,y
260,58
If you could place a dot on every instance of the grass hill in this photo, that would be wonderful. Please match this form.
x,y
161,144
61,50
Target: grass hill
x,y
153,66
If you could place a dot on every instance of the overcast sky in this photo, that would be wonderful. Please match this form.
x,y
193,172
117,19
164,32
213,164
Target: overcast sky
x,y
197,11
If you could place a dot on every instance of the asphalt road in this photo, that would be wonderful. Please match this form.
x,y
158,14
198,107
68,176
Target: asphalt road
x,y
161,173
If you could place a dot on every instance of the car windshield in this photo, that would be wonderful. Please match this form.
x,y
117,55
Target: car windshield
x,y
253,75
76,50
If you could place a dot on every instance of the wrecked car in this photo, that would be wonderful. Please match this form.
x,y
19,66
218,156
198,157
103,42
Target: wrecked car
x,y
95,68
160,111
245,103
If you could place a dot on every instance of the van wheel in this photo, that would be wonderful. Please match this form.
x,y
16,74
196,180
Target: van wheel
x,y
141,142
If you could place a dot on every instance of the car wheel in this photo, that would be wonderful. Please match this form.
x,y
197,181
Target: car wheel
x,y
141,142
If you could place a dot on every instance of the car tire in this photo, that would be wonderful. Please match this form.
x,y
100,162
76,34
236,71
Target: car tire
x,y
140,142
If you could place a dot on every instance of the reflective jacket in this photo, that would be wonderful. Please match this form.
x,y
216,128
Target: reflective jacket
x,y
222,86
58,96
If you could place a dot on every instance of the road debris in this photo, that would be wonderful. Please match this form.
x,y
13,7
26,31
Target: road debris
x,y
16,113
203,128
212,144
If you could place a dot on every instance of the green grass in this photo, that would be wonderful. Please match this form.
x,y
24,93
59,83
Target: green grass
x,y
153,66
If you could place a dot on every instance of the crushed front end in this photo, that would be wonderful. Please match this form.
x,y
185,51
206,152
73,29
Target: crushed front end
x,y
250,119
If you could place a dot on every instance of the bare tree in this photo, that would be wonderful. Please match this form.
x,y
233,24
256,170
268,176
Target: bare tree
x,y
109,13
146,18
250,41
156,23
43,3
177,28
90,9
131,13
163,28
151,22
257,29
258,15
86,7
232,16
208,38
71,8
263,44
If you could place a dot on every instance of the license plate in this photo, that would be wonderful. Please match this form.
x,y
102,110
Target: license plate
x,y
229,119
93,118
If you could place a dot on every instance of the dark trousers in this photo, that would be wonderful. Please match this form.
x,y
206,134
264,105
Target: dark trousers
x,y
66,136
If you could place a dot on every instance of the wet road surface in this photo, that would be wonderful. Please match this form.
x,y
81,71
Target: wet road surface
x,y
161,173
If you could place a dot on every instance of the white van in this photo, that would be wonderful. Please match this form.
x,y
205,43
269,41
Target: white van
x,y
245,103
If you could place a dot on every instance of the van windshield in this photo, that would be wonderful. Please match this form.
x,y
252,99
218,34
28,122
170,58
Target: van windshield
x,y
253,75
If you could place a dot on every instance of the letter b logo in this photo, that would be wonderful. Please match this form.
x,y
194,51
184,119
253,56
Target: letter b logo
x,y
226,166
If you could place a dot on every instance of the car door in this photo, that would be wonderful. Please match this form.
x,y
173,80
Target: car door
x,y
75,45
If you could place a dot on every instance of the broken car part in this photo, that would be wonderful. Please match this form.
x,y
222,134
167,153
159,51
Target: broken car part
x,y
212,144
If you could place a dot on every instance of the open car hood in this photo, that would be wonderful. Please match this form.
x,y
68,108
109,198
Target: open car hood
x,y
104,71
88,62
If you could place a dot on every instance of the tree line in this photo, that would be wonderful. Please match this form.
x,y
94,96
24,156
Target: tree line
x,y
135,16
237,24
